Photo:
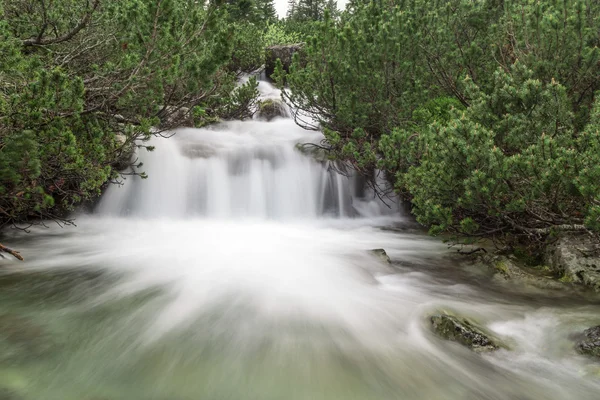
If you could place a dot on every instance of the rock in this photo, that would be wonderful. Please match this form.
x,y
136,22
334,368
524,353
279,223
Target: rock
x,y
462,331
381,254
175,117
576,259
590,344
283,52
507,269
272,108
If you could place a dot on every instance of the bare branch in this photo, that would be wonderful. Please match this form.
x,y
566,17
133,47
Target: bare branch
x,y
14,253
39,41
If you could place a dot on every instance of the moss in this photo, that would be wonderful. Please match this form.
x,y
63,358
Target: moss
x,y
543,268
462,331
265,104
502,267
566,279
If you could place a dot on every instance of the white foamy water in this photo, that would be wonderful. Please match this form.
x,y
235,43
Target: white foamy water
x,y
240,269
238,169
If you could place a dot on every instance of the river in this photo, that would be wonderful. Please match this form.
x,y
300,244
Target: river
x,y
240,269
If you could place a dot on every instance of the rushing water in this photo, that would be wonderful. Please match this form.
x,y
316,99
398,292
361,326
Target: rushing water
x,y
240,270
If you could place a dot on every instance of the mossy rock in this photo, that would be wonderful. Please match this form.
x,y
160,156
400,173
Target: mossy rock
x,y
272,108
508,269
577,259
462,331
590,344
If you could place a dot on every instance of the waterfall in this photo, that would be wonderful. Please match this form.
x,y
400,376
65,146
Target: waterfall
x,y
239,169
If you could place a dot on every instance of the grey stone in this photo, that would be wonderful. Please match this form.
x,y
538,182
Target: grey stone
x,y
576,259
283,52
462,331
590,343
176,117
381,254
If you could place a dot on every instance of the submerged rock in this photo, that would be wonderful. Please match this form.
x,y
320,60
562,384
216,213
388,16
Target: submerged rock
x,y
462,331
271,108
576,259
381,254
590,344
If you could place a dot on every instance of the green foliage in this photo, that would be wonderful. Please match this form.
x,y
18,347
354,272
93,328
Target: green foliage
x,y
509,162
277,34
83,83
240,103
478,111
306,10
256,12
248,49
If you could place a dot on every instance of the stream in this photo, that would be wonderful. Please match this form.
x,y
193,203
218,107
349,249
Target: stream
x,y
240,269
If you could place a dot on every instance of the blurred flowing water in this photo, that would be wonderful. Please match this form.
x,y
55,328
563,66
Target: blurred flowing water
x,y
240,270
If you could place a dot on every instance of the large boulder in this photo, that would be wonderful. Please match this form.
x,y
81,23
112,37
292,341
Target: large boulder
x,y
462,331
576,259
283,52
590,343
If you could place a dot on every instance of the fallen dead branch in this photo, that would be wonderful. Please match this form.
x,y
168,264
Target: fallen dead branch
x,y
14,253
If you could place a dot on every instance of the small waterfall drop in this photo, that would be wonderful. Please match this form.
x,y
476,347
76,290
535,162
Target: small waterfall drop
x,y
239,169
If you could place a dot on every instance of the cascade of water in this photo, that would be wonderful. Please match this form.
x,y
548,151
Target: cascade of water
x,y
238,169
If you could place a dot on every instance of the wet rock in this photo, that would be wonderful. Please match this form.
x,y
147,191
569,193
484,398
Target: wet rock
x,y
576,259
381,254
271,109
283,52
462,331
508,269
175,117
590,343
